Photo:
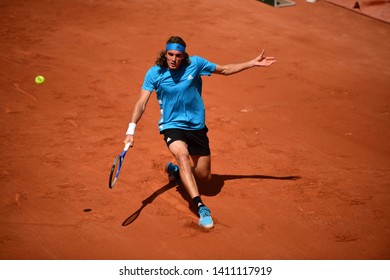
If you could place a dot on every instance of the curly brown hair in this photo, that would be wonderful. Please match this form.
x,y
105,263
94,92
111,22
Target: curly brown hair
x,y
161,60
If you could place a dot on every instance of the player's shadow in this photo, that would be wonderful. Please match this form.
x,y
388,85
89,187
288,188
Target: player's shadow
x,y
211,188
215,185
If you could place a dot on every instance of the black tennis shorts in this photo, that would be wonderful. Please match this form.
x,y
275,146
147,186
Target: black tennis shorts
x,y
196,140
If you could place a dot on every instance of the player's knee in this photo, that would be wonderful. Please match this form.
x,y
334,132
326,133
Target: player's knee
x,y
183,160
207,177
204,175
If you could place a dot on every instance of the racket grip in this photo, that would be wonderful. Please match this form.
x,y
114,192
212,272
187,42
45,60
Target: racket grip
x,y
127,146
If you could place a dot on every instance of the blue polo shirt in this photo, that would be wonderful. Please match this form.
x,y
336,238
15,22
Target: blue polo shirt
x,y
179,93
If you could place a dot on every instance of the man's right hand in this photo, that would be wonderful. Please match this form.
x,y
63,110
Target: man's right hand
x,y
129,139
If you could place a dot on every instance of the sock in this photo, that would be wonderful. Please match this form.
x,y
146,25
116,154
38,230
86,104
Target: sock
x,y
197,201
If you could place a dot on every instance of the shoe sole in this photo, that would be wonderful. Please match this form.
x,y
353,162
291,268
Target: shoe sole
x,y
207,227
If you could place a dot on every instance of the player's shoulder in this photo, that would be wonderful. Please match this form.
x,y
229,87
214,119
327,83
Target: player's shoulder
x,y
155,71
196,58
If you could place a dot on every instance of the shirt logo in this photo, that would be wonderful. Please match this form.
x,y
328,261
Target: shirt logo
x,y
190,77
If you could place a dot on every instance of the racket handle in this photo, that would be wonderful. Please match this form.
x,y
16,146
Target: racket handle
x,y
127,146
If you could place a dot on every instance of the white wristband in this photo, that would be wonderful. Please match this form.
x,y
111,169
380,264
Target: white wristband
x,y
131,129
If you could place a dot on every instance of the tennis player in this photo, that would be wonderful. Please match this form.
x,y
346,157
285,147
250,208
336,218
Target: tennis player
x,y
176,79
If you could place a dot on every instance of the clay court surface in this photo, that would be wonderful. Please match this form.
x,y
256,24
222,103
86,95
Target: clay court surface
x,y
300,150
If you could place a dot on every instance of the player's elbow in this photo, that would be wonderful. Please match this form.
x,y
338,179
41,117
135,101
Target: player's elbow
x,y
222,70
225,72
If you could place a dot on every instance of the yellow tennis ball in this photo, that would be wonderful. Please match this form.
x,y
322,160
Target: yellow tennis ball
x,y
39,79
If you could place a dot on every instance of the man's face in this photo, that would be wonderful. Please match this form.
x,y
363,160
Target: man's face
x,y
174,59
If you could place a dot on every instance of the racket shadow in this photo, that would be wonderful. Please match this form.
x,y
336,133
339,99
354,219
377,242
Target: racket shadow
x,y
147,201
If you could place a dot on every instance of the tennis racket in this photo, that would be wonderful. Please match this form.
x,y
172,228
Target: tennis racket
x,y
116,166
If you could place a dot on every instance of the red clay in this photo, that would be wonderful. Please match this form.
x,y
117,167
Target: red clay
x,y
300,150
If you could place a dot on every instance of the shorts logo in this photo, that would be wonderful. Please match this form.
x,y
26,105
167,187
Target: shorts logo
x,y
169,139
